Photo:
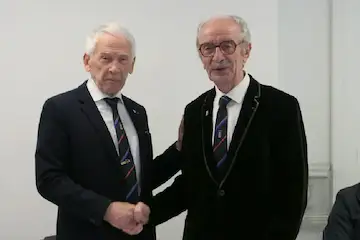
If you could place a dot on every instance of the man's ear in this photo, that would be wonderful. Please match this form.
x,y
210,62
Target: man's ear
x,y
132,66
86,59
247,51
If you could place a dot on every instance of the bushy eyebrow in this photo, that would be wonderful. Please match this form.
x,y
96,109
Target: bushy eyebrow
x,y
214,42
122,55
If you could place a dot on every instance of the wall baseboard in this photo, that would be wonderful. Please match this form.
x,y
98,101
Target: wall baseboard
x,y
314,222
319,170
319,196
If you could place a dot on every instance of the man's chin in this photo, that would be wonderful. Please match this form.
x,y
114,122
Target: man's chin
x,y
224,83
219,79
111,89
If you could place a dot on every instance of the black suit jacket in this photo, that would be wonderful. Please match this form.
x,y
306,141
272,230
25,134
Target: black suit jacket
x,y
264,194
344,218
76,166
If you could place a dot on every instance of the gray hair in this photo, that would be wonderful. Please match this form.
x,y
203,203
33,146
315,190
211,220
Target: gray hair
x,y
245,32
112,28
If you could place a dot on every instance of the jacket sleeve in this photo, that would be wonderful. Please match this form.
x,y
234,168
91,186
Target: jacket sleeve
x,y
169,203
165,166
339,226
52,179
289,172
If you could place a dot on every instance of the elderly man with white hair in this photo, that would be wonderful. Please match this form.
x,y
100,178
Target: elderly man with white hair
x,y
94,156
245,172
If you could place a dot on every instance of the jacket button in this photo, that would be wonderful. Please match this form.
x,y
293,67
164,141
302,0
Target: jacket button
x,y
221,192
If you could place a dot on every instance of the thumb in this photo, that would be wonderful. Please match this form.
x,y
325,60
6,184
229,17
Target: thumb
x,y
141,213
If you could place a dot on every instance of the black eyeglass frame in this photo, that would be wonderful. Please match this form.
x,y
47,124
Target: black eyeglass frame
x,y
215,46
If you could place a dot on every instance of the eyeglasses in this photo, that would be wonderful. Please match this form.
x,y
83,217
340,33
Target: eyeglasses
x,y
226,47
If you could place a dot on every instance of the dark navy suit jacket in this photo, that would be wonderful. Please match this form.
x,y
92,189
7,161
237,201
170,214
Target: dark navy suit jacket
x,y
77,167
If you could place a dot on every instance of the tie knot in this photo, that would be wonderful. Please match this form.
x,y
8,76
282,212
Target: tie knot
x,y
224,100
112,102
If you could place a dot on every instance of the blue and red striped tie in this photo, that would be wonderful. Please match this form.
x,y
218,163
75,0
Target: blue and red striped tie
x,y
220,135
125,156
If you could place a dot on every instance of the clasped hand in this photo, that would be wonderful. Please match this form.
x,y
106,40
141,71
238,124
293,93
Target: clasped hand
x,y
128,217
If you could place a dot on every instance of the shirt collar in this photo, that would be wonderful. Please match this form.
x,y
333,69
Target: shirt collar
x,y
238,92
97,94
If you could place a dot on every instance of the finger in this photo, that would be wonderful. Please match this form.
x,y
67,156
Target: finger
x,y
144,208
141,213
139,216
142,220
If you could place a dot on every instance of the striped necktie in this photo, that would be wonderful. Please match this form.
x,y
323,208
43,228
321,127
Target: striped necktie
x,y
220,135
125,156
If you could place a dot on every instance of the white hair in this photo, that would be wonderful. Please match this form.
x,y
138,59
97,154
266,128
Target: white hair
x,y
112,28
245,32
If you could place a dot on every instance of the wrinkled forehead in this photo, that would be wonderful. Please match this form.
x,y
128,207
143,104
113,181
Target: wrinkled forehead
x,y
116,43
216,31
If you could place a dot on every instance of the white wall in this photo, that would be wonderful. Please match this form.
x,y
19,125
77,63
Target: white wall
x,y
304,71
318,62
304,67
42,46
345,93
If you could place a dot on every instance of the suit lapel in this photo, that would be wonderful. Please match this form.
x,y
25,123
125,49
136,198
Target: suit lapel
x,y
143,134
88,107
134,115
248,110
207,133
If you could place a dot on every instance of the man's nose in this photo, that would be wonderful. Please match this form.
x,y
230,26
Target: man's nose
x,y
114,68
218,55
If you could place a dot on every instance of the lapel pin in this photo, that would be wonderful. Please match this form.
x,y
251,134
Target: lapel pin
x,y
207,112
134,111
125,162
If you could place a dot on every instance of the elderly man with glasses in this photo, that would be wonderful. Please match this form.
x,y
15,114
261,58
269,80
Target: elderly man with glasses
x,y
245,171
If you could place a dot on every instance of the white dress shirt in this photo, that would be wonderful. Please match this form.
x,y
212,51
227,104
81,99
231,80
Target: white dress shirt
x,y
107,115
237,95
